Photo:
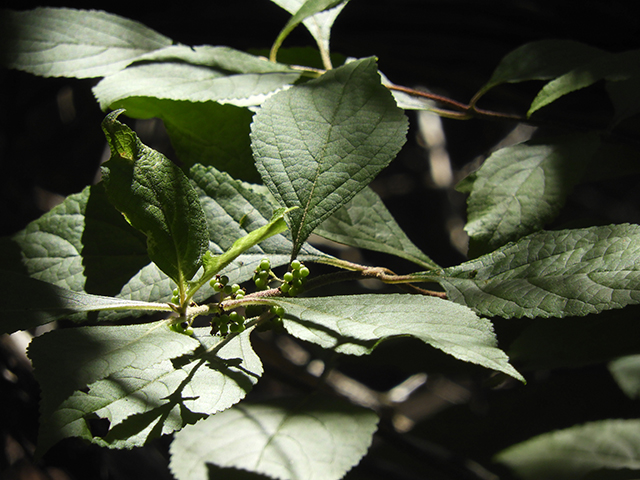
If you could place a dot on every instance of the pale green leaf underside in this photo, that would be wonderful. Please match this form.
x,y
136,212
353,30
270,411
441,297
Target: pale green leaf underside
x,y
520,189
318,144
355,324
193,83
316,438
63,42
574,452
552,274
142,401
319,24
626,372
365,222
157,199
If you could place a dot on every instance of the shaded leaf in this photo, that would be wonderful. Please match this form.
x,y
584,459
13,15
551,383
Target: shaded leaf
x,y
63,42
355,324
157,199
574,452
150,396
318,144
207,133
365,222
618,66
540,60
318,438
48,302
520,189
551,274
626,372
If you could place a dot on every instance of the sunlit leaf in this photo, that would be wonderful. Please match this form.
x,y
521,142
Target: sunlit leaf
x,y
315,438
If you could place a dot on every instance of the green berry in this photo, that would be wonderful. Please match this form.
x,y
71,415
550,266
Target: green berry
x,y
288,277
265,264
294,291
239,295
295,265
234,288
277,310
284,288
227,290
224,280
304,272
217,286
261,284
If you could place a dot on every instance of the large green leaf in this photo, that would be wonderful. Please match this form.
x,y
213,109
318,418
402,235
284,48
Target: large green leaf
x,y
193,83
519,189
145,380
207,133
318,144
355,324
63,42
314,438
317,15
614,67
540,60
48,302
156,198
596,447
551,274
365,222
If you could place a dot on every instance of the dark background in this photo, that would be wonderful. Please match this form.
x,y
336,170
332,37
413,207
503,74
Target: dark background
x,y
449,46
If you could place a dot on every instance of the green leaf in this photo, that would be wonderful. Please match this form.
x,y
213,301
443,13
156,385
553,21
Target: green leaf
x,y
318,144
541,60
626,372
355,324
318,25
146,380
318,437
193,83
63,42
207,133
551,274
577,451
520,189
365,222
157,199
614,67
48,302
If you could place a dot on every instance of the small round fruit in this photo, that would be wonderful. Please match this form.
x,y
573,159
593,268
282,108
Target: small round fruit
x,y
295,265
265,264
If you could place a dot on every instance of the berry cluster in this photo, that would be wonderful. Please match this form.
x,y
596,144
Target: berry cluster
x,y
221,284
182,327
261,274
294,279
225,323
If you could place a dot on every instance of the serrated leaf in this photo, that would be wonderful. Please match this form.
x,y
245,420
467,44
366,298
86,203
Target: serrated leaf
x,y
142,402
48,302
157,199
577,451
193,83
207,133
551,274
365,222
540,60
626,372
63,42
355,324
316,438
520,189
318,144
618,66
309,12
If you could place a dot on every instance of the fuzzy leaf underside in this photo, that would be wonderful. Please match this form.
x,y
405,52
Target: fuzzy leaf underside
x,y
626,372
64,42
365,222
157,199
146,380
551,274
315,438
603,446
355,324
519,189
318,144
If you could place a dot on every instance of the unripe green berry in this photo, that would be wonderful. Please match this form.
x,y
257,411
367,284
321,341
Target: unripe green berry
x,y
217,286
227,290
277,310
288,276
304,272
265,264
224,280
284,288
260,283
295,265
